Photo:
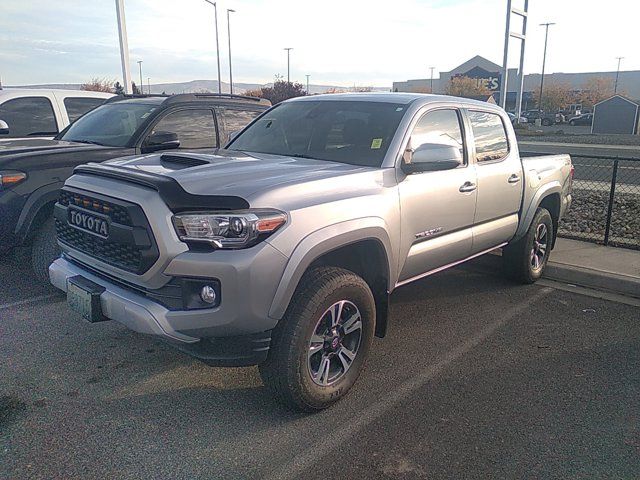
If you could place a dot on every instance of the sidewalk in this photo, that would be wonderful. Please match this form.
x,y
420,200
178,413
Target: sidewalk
x,y
589,265
609,269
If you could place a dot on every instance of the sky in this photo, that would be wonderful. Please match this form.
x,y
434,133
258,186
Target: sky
x,y
336,42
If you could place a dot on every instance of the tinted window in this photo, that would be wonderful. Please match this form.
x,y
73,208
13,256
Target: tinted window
x,y
112,124
235,119
28,116
354,132
195,128
78,106
439,127
490,136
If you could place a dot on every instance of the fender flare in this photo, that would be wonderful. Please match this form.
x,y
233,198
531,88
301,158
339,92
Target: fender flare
x,y
38,199
324,241
529,211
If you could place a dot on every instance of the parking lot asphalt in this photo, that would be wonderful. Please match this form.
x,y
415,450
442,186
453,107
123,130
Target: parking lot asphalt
x,y
477,378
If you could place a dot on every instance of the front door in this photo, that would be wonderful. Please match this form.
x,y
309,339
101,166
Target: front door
x,y
437,208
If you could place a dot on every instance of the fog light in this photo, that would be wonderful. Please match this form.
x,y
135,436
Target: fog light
x,y
208,294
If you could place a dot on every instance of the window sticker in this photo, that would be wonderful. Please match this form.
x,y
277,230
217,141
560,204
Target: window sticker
x,y
376,143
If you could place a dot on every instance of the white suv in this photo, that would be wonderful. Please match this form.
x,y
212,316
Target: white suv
x,y
43,113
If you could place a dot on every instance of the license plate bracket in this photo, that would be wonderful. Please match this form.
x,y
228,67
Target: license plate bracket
x,y
83,297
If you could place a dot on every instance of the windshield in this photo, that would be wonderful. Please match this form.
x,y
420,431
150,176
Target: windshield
x,y
354,132
111,125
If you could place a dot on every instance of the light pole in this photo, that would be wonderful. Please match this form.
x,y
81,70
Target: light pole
x,y
431,87
149,85
141,84
544,60
307,83
124,46
615,88
215,10
288,63
229,10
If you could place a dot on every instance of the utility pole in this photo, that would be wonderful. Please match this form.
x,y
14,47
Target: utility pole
x,y
149,85
288,63
141,84
229,36
124,46
307,83
431,87
544,60
615,88
215,10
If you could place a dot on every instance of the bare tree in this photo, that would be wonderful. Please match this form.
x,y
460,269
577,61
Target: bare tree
x,y
556,96
467,87
595,90
99,85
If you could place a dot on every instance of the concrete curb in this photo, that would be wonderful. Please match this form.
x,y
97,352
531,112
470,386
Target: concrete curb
x,y
576,275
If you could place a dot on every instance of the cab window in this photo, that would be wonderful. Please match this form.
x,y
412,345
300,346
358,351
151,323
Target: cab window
x,y
438,127
195,128
78,106
28,116
489,135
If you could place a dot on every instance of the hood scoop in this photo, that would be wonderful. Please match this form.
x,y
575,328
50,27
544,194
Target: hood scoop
x,y
178,162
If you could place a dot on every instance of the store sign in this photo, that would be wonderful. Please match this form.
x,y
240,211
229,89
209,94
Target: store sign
x,y
489,80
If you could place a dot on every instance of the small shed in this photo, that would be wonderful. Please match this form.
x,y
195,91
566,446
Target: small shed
x,y
617,114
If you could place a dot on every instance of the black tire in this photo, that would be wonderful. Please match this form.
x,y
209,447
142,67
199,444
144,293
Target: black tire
x,y
518,258
44,249
287,372
546,122
572,123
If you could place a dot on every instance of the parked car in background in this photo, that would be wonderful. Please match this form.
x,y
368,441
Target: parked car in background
x,y
546,119
33,171
42,113
584,119
283,249
514,119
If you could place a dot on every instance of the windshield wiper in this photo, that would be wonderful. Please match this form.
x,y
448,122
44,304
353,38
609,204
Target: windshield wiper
x,y
300,155
89,142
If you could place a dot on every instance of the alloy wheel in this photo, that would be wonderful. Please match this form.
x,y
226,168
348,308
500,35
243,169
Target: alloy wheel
x,y
539,248
334,343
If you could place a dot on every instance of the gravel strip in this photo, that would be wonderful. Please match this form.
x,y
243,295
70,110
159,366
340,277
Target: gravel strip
x,y
587,139
586,220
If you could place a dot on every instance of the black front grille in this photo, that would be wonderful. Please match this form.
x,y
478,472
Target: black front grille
x,y
130,245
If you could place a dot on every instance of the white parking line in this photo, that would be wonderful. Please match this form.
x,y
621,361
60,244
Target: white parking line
x,y
304,460
27,301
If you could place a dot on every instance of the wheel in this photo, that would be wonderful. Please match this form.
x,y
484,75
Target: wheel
x,y
572,123
44,249
525,259
546,122
318,349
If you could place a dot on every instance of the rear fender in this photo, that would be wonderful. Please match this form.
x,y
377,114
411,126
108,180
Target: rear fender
x,y
529,209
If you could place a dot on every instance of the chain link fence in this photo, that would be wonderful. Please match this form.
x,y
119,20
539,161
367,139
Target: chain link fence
x,y
606,201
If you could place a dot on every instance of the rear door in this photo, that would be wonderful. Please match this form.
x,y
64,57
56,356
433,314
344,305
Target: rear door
x,y
437,208
30,116
499,174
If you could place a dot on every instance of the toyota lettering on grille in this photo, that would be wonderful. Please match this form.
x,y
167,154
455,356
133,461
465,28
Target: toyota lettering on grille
x,y
88,222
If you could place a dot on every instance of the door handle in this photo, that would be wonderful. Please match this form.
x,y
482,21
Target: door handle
x,y
514,178
467,187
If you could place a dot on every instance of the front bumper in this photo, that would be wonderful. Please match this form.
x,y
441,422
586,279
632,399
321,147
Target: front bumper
x,y
234,334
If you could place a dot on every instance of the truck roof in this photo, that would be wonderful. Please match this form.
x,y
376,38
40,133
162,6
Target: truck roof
x,y
395,97
158,99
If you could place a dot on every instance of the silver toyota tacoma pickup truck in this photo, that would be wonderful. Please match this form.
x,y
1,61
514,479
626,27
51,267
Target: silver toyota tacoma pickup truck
x,y
282,249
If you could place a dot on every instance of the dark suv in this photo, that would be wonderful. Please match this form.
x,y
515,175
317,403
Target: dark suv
x,y
32,171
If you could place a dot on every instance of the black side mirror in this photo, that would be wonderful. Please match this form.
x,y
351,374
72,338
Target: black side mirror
x,y
431,157
161,141
4,128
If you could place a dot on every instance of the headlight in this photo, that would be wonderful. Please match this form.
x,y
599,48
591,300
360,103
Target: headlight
x,y
239,229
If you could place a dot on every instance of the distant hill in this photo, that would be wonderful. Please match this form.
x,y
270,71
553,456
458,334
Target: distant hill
x,y
197,86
